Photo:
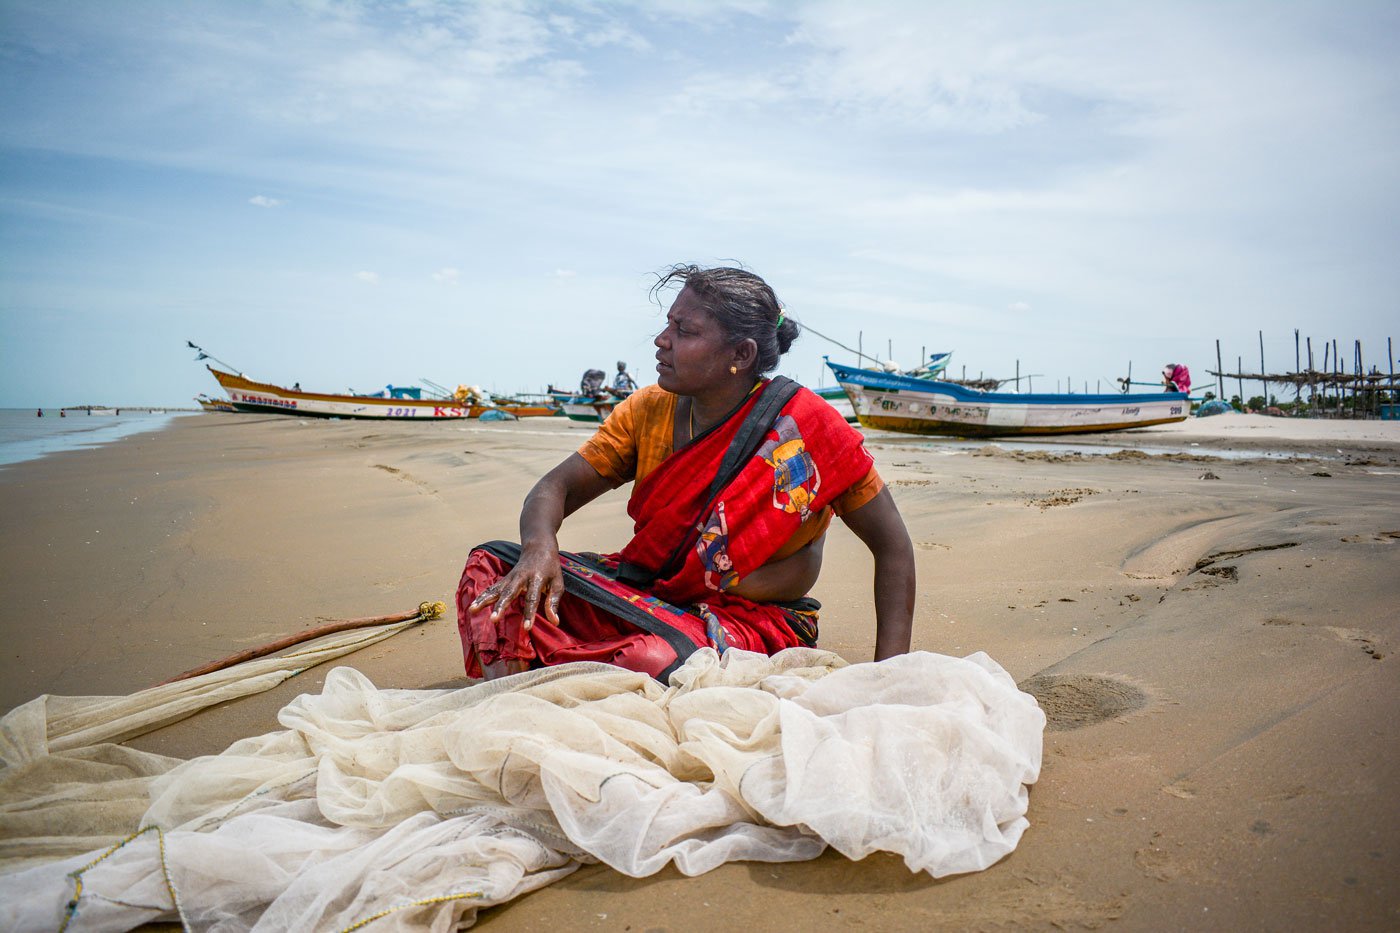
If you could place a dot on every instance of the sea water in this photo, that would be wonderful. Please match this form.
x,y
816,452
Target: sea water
x,y
25,436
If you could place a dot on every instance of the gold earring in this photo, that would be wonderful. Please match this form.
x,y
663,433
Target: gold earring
x,y
733,370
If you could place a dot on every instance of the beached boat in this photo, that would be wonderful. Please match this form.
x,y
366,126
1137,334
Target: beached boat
x,y
524,407
926,406
248,396
586,408
214,404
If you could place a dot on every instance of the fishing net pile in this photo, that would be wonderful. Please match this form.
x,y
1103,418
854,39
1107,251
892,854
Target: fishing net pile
x,y
413,809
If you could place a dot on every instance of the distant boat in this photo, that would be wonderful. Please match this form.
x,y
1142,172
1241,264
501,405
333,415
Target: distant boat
x,y
913,405
91,409
214,404
592,409
523,407
260,397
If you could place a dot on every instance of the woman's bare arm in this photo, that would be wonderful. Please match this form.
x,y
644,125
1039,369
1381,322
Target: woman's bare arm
x,y
879,525
559,493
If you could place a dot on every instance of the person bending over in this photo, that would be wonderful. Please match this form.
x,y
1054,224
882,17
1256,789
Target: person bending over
x,y
735,478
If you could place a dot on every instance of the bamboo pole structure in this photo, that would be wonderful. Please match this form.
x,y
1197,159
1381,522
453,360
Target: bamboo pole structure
x,y
1358,369
1219,368
1337,365
1263,368
1312,387
423,613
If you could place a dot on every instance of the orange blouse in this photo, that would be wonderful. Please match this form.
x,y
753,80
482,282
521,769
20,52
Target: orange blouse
x,y
639,435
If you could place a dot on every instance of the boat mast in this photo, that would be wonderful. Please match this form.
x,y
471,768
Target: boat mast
x,y
206,355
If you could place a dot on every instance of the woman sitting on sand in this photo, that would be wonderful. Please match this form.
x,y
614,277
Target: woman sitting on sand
x,y
736,479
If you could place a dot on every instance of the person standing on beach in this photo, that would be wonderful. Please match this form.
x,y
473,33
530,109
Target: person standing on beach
x,y
623,383
735,478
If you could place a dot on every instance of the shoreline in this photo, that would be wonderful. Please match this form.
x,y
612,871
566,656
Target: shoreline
x,y
1218,756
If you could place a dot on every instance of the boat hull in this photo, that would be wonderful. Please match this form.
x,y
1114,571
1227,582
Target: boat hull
x,y
585,409
263,398
919,406
520,410
215,404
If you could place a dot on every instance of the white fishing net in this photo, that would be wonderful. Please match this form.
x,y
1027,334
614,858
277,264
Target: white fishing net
x,y
414,809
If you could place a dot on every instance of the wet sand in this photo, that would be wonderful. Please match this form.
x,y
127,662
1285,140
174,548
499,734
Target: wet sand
x,y
1216,655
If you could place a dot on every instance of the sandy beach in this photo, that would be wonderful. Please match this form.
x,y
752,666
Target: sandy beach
x,y
1209,613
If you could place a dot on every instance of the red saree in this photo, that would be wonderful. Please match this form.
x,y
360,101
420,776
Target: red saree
x,y
696,535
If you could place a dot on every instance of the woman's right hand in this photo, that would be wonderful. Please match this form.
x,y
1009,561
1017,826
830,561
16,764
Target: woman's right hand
x,y
535,576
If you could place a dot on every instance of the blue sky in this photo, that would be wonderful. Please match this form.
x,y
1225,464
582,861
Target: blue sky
x,y
350,194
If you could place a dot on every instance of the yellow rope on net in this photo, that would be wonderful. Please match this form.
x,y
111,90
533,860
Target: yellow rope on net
x,y
70,910
430,611
425,902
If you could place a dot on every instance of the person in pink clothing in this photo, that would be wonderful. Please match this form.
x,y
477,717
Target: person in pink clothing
x,y
1176,378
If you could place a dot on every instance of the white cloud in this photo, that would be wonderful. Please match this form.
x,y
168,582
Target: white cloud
x,y
446,275
1018,306
563,274
369,278
262,200
616,34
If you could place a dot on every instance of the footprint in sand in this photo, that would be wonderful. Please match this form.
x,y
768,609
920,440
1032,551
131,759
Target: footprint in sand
x,y
406,477
1364,640
1380,537
1073,701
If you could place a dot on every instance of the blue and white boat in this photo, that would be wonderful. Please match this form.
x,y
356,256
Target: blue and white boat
x,y
910,405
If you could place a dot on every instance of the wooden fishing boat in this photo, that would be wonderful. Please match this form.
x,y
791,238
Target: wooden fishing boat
x,y
524,407
932,368
925,406
589,409
248,396
214,404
